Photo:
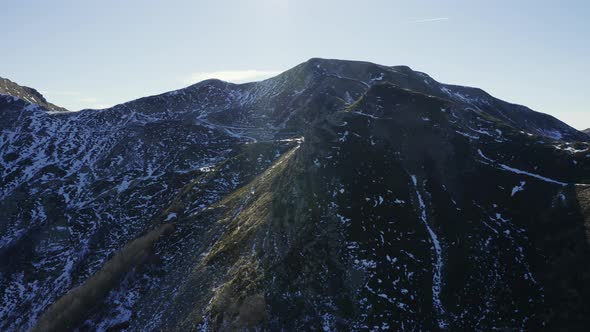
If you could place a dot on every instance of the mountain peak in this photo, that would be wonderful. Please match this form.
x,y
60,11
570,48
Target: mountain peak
x,y
27,94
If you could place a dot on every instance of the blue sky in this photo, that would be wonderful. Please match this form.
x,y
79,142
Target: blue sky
x,y
93,54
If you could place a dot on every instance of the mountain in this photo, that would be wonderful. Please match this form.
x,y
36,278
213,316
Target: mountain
x,y
338,195
30,95
586,131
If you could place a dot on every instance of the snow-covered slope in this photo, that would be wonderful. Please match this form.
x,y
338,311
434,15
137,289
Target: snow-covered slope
x,y
338,194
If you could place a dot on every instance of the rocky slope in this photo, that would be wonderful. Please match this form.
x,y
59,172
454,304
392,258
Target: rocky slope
x,y
586,131
338,195
30,95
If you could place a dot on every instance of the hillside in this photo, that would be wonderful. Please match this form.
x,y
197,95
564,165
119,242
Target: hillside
x,y
337,195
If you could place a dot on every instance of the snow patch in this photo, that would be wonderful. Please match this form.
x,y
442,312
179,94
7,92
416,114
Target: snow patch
x,y
518,188
437,275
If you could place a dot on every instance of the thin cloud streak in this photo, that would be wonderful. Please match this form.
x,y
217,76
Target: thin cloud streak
x,y
60,93
431,20
75,100
234,76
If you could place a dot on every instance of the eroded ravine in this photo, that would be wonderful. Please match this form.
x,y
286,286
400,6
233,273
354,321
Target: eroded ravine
x,y
438,266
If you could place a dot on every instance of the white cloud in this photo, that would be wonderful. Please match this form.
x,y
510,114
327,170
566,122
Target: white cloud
x,y
75,100
431,20
234,76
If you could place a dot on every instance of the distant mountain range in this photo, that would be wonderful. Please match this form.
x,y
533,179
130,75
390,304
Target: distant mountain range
x,y
338,195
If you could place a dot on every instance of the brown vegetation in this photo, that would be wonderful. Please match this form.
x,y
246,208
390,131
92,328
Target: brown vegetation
x,y
69,311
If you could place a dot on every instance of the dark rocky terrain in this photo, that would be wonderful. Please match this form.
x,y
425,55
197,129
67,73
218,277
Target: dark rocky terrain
x,y
29,95
338,195
586,131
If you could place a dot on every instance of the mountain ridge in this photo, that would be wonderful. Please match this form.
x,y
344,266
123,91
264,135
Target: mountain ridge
x,y
7,87
313,63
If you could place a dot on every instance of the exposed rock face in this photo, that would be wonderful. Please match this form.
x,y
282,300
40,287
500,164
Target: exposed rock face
x,y
29,95
338,195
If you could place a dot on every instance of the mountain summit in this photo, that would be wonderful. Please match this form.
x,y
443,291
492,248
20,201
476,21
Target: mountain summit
x,y
29,95
338,195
